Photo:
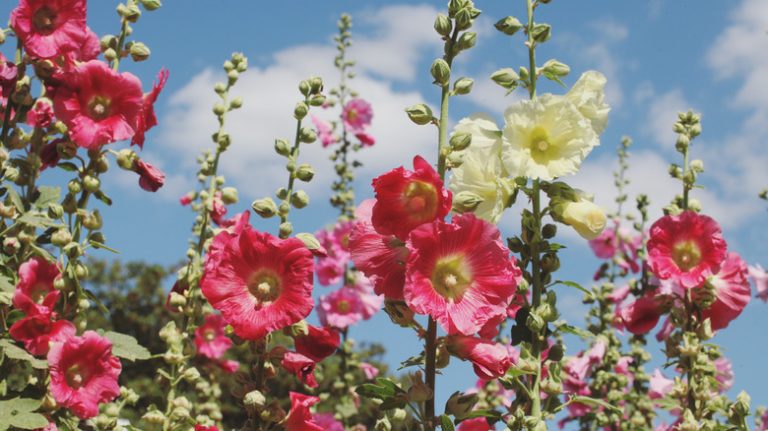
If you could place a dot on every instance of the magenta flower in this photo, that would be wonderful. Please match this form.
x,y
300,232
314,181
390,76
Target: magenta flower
x,y
369,370
150,178
341,308
324,131
732,292
318,344
50,28
147,119
490,360
210,339
300,366
357,115
299,417
35,293
41,114
640,316
760,278
723,374
327,422
38,331
365,138
475,424
660,386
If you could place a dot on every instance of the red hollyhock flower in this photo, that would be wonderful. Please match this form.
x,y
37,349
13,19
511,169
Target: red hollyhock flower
x,y
475,424
640,316
199,427
299,417
35,293
318,344
461,273
732,292
407,199
259,283
41,114
300,366
50,28
147,119
84,373
38,331
210,339
150,178
490,360
688,248
98,104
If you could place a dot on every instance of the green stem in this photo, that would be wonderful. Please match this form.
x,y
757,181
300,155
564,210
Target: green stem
x,y
9,104
121,39
686,187
294,156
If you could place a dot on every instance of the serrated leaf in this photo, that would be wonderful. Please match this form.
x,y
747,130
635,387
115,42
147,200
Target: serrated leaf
x,y
36,220
14,352
6,289
594,402
446,424
48,195
570,329
126,347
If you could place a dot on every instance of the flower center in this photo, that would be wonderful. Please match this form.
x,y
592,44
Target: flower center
x,y
351,115
44,20
209,335
343,306
98,108
686,254
264,285
451,277
76,376
540,143
38,293
420,199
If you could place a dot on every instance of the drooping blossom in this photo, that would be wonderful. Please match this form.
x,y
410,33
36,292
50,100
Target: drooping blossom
x,y
622,366
98,105
210,339
460,273
38,331
150,177
49,154
475,424
357,115
147,119
723,374
327,422
49,28
369,371
640,316
260,283
324,131
365,138
490,360
732,292
407,199
299,417
659,386
300,366
687,248
619,294
340,308
229,366
84,373
318,343
35,293
760,278
41,114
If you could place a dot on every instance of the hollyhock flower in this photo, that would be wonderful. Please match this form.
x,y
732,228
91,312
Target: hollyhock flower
x,y
723,374
619,294
147,119
640,316
622,365
604,245
357,115
732,292
760,278
218,209
659,385
199,427
41,114
584,216
366,139
324,131
327,422
340,308
372,302
150,178
260,283
210,338
461,273
546,138
475,424
8,74
331,268
688,248
185,200
299,417
666,329
98,104
369,370
318,344
84,373
37,332
35,293
588,95
301,366
49,154
490,360
49,28
407,199
89,49
481,176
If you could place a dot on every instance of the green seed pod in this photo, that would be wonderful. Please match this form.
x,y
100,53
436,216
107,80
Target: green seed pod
x,y
420,114
509,25
441,72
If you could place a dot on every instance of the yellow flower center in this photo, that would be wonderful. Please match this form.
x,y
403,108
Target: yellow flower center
x,y
686,254
343,306
76,377
451,277
209,334
38,293
98,108
265,286
540,144
44,20
352,115
420,199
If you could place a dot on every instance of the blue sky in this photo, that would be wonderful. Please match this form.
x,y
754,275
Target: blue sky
x,y
660,58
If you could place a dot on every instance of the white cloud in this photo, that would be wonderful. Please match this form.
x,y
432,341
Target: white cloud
x,y
662,114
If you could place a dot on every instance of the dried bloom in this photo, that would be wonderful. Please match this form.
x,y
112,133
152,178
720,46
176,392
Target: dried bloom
x,y
150,177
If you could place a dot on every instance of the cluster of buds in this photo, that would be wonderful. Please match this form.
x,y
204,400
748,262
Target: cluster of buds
x,y
115,47
687,127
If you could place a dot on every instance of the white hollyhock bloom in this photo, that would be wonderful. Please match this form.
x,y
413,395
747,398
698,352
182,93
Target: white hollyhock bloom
x,y
584,216
588,95
545,138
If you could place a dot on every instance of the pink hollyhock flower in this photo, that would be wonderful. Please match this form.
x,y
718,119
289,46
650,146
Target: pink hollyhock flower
x,y
604,246
147,119
218,209
732,292
301,366
461,273
340,308
84,373
640,316
760,278
8,74
260,283
723,374
490,360
666,329
622,365
619,294
369,370
49,154
327,422
35,293
372,302
365,138
688,248
299,417
49,28
98,104
357,115
199,427
330,269
150,178
41,114
37,332
185,200
318,344
659,385
210,338
475,424
407,199
324,131
229,366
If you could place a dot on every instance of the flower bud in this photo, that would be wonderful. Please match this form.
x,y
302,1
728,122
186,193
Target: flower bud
x,y
463,19
315,84
151,5
460,405
300,111
307,135
139,51
126,159
282,147
443,25
541,32
441,72
254,400
299,199
236,103
585,217
466,40
697,165
91,184
506,77
219,109
399,415
554,68
466,201
509,25
420,114
304,87
556,352
7,211
305,172
61,237
11,245
191,375
418,391
317,100
286,228
93,221
265,207
463,85
382,424
534,322
229,195
460,140
694,205
399,313
154,417
132,13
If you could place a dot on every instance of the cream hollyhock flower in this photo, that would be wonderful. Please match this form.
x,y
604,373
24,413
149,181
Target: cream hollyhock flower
x,y
585,217
481,176
588,95
546,138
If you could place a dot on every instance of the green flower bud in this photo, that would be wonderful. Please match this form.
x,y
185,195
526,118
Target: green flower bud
x,y
541,32
7,211
254,400
126,159
191,375
229,195
220,88
317,100
309,240
154,417
465,201
108,41
399,415
219,109
2,37
463,85
151,5
463,19
232,76
443,25
382,424
132,13
551,387
55,211
315,84
139,51
300,111
460,405
265,207
455,159
506,78
399,313
307,135
460,140
74,186
534,322
282,147
509,25
441,72
91,184
697,165
556,353
236,103
286,228
454,6
549,231
61,237
466,40
554,68
694,205
305,172
93,221
299,199
304,87
420,114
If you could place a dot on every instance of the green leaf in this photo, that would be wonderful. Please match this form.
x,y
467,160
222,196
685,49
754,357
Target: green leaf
x,y
15,199
48,195
594,402
574,285
19,413
413,361
14,352
446,424
68,166
103,197
570,329
6,289
36,220
126,347
97,244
